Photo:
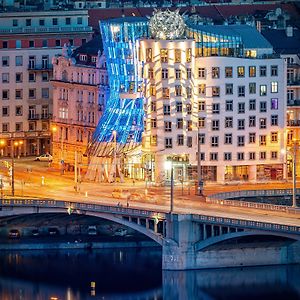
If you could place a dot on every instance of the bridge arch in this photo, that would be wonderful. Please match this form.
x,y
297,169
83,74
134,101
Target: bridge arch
x,y
201,245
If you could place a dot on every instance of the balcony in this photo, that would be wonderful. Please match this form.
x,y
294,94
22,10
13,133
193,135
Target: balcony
x,y
46,116
40,68
33,117
293,123
294,102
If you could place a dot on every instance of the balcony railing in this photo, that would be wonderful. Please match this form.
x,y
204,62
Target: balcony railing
x,y
34,67
294,102
293,123
33,117
45,116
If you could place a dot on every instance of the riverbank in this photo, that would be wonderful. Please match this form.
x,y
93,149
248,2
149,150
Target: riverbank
x,y
76,245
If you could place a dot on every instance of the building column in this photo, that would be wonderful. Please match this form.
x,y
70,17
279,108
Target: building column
x,y
252,173
220,174
159,168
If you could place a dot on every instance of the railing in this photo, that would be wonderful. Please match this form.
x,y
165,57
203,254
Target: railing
x,y
248,224
293,123
32,67
33,117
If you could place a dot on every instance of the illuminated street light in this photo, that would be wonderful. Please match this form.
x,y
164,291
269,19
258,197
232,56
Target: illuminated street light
x,y
169,167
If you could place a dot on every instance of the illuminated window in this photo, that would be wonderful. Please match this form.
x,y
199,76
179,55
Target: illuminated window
x,y
274,87
149,55
215,73
241,71
252,71
188,55
202,89
153,140
178,90
63,113
189,125
188,108
164,55
177,56
166,93
215,91
152,90
274,103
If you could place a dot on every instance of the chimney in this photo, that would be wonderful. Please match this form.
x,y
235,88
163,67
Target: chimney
x,y
289,31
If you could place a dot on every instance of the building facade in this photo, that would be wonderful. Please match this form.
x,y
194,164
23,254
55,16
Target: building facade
x,y
28,41
80,87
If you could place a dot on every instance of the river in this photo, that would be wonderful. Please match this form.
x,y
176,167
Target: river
x,y
134,274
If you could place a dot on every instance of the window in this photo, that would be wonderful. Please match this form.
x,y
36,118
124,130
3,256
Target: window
x,y
5,127
251,155
165,93
263,106
45,93
5,94
201,73
178,106
152,90
71,42
201,106
188,55
180,140
215,125
31,77
19,61
164,74
252,138
19,110
189,108
262,155
290,95
15,22
274,70
79,20
241,107
149,55
240,156
228,72
68,21
4,44
228,138
41,22
19,94
229,105
19,126
5,61
153,123
188,73
201,138
5,111
164,55
215,72
45,76
274,103
19,77
252,104
31,126
189,125
179,123
216,108
189,141
18,44
28,22
274,154
202,89
274,137
263,123
31,62
153,140
31,93
274,87
57,43
177,55
45,43
213,156
5,77
274,120
45,61
252,88
228,122
215,91
241,140
168,126
188,92
214,141
178,90
262,140
252,71
241,71
166,109
153,106
229,89
227,156
241,124
241,91
31,44
168,143
177,74
252,121
201,122
263,71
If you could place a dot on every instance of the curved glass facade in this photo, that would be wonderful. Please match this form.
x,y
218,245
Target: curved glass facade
x,y
124,108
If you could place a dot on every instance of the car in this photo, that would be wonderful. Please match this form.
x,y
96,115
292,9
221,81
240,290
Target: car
x,y
14,234
121,194
120,232
35,232
53,231
92,230
44,157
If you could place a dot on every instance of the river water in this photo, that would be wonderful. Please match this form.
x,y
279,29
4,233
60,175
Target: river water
x,y
134,274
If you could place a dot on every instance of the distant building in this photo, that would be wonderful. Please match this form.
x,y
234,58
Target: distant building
x,y
80,87
28,41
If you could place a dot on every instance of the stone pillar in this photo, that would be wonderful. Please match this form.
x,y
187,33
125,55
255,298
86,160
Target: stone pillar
x,y
252,173
139,221
204,232
147,223
220,174
159,168
155,226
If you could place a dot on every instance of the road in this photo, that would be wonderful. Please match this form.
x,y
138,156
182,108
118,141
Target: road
x,y
29,183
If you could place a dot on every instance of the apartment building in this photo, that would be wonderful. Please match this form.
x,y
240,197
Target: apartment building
x,y
212,85
28,41
80,88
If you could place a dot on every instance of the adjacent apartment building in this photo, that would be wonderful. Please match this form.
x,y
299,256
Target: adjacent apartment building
x,y
28,42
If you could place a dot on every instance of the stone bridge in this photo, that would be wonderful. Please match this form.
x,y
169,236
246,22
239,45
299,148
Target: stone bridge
x,y
189,241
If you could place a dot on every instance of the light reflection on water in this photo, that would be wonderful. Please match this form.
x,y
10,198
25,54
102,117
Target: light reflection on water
x,y
134,274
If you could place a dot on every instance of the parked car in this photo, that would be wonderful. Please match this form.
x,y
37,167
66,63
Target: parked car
x,y
35,232
53,231
121,194
92,230
44,157
14,234
120,232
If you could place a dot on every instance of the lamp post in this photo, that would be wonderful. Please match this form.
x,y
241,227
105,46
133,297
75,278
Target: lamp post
x,y
169,167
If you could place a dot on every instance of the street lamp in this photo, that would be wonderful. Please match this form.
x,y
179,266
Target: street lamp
x,y
169,167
